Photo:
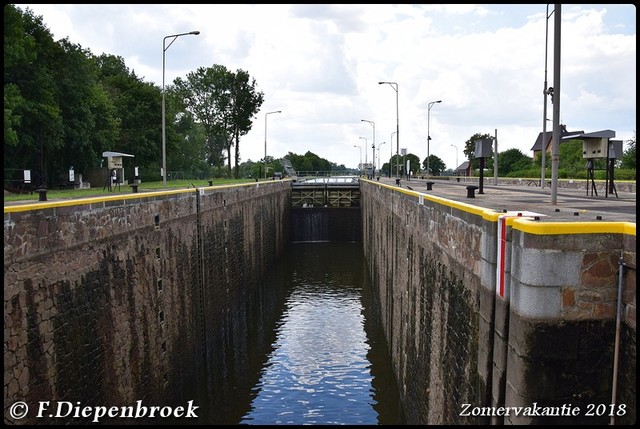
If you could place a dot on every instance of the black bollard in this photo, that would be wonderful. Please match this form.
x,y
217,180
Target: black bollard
x,y
42,194
471,191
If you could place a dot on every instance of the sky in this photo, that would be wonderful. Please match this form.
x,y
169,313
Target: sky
x,y
320,65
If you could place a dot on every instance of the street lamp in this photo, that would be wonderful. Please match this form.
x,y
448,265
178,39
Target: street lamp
x,y
359,147
164,137
265,140
365,149
395,87
373,124
379,155
391,152
545,91
456,148
429,106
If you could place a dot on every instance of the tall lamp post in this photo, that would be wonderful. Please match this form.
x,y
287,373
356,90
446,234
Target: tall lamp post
x,y
265,140
429,106
394,85
164,136
545,91
456,148
365,149
373,124
359,147
555,99
391,152
380,144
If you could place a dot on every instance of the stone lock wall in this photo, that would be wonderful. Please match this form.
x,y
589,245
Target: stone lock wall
x,y
146,297
487,333
115,300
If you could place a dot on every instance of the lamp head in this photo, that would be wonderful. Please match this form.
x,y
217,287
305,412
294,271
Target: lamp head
x,y
195,32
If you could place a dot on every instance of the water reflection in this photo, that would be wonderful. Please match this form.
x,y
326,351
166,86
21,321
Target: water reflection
x,y
328,363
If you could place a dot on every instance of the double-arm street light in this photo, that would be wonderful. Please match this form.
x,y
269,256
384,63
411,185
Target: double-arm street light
x,y
429,106
265,140
394,85
173,37
373,124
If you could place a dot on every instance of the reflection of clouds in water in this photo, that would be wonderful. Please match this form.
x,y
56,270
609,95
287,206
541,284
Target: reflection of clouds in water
x,y
319,368
323,332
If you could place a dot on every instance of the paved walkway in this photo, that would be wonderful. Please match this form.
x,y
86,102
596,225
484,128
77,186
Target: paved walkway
x,y
571,204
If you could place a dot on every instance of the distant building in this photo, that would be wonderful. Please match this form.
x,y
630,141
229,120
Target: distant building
x,y
564,136
463,169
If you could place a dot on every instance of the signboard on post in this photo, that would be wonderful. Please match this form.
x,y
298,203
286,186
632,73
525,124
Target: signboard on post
x,y
115,164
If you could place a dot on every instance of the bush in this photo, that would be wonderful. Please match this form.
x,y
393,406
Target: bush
x,y
600,174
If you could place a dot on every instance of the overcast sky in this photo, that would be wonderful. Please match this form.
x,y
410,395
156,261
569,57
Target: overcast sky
x,y
320,64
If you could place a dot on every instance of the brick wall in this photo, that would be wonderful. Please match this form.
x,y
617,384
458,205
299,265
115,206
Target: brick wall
x,y
114,300
547,339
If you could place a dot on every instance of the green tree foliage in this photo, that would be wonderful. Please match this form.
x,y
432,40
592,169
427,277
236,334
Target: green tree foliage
x,y
300,162
35,114
629,159
571,158
401,164
512,160
309,162
131,122
436,165
246,101
57,104
63,107
19,50
205,95
470,151
225,104
83,106
189,156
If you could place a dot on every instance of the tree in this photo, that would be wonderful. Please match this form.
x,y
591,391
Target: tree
x,y
629,159
309,162
224,103
470,151
205,95
88,127
512,160
436,165
19,51
246,101
36,118
136,107
57,113
189,155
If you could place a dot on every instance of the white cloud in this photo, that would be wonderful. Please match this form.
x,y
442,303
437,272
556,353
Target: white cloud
x,y
321,63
